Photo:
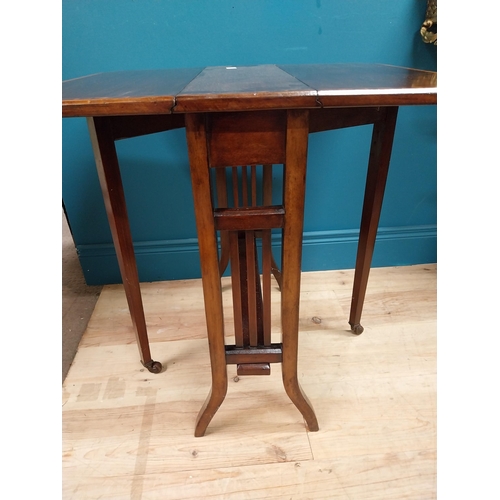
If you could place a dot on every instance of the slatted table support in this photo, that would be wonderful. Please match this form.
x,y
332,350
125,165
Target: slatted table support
x,y
209,147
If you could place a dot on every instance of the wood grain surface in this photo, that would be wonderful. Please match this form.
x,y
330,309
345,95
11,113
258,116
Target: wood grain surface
x,y
231,88
128,434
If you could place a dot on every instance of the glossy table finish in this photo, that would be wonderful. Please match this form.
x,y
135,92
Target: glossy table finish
x,y
227,88
239,122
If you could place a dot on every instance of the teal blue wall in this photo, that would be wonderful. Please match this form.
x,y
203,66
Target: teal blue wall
x,y
110,35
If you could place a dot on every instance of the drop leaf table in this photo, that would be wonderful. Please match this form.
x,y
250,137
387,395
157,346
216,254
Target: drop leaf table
x,y
241,123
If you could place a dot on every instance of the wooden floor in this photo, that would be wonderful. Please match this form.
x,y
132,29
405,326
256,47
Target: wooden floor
x,y
128,434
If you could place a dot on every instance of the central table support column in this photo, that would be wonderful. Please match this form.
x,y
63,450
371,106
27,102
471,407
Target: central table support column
x,y
217,141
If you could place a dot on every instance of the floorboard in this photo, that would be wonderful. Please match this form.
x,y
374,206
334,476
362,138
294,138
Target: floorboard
x,y
128,434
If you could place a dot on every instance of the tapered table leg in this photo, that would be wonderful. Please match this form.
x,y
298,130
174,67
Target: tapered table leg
x,y
210,272
111,184
378,166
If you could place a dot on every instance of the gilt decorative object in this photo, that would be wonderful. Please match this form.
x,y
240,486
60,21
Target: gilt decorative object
x,y
428,30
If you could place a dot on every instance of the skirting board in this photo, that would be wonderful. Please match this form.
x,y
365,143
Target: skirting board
x,y
322,250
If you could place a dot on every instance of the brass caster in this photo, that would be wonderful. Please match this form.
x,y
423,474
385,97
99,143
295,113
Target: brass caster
x,y
153,366
357,329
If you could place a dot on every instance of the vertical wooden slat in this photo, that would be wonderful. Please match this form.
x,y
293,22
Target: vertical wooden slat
x,y
243,287
258,295
234,176
220,179
267,185
267,199
253,177
236,288
266,286
244,186
222,201
267,256
251,286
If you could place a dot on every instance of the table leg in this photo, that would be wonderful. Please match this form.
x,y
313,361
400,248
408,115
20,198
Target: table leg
x,y
378,166
210,273
294,196
114,199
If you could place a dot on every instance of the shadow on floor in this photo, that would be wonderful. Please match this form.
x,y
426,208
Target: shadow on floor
x,y
78,299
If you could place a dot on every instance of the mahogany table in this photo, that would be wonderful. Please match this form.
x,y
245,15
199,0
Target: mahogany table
x,y
241,122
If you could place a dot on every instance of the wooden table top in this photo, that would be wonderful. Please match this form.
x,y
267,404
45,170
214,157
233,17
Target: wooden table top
x,y
230,88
